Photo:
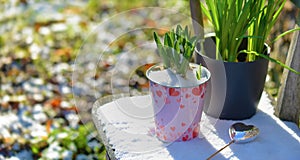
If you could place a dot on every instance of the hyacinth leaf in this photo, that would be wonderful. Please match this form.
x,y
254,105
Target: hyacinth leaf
x,y
171,57
178,30
183,44
157,40
161,50
172,36
186,32
187,53
178,34
177,49
193,40
198,72
176,58
168,41
184,65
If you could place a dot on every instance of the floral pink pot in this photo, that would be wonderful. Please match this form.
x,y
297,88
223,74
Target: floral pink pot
x,y
178,110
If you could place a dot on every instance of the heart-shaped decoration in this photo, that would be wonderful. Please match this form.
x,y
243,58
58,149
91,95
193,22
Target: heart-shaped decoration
x,y
197,91
242,133
172,128
183,124
187,96
159,93
239,133
173,92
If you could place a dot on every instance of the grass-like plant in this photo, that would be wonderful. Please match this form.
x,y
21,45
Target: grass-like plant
x,y
261,27
231,20
234,20
177,49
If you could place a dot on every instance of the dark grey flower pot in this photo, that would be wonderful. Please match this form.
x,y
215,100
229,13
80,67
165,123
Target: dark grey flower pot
x,y
235,87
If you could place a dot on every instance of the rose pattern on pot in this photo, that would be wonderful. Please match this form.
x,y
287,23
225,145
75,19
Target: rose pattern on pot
x,y
177,111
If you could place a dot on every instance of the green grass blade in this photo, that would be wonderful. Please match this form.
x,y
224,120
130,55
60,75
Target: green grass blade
x,y
206,12
285,33
271,59
198,72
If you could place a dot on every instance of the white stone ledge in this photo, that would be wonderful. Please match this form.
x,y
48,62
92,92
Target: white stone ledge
x,y
130,138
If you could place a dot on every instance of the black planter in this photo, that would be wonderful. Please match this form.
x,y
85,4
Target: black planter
x,y
235,87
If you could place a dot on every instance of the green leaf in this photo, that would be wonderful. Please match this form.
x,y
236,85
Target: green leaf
x,y
178,29
285,33
193,40
198,72
172,36
184,66
34,149
188,53
184,44
186,32
176,59
171,57
157,40
168,41
271,59
206,12
177,47
177,50
161,51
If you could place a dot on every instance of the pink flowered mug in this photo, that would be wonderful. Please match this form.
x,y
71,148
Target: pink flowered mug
x,y
177,110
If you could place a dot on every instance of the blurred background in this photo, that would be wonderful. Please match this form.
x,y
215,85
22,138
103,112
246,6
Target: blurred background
x,y
39,42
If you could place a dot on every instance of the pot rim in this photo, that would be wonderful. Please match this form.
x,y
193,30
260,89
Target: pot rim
x,y
209,35
204,70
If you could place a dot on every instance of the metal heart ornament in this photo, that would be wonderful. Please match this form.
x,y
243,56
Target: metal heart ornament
x,y
239,133
242,133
